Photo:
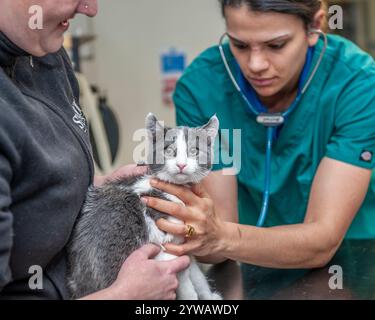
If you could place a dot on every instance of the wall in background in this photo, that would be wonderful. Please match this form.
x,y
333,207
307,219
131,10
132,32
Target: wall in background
x,y
359,23
131,34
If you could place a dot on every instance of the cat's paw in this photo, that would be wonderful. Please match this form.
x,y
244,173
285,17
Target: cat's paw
x,y
216,296
211,296
187,296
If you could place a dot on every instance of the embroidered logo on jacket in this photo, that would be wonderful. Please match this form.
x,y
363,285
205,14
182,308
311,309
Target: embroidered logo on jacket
x,y
79,117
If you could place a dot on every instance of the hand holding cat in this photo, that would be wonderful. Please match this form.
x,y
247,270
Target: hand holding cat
x,y
198,212
142,277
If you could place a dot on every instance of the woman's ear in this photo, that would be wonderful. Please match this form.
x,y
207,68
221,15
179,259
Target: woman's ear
x,y
319,23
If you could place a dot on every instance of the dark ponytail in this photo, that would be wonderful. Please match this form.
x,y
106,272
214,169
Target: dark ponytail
x,y
304,9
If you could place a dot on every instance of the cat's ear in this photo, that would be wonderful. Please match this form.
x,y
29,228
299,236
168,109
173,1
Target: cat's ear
x,y
152,124
212,127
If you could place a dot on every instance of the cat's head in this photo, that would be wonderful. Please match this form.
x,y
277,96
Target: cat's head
x,y
180,155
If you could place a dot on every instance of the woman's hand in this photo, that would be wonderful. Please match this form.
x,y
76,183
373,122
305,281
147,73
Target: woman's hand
x,y
198,212
127,171
143,278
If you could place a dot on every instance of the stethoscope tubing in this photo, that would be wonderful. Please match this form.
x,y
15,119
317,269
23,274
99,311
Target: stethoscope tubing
x,y
271,129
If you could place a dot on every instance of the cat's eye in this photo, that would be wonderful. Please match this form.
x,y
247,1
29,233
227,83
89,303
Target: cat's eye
x,y
171,138
193,151
170,152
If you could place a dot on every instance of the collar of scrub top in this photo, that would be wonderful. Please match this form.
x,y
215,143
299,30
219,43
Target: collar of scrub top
x,y
253,98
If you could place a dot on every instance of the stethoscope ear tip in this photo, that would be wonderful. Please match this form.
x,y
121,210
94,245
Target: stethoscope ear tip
x,y
313,31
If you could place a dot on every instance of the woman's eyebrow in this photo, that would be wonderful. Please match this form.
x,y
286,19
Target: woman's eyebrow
x,y
280,37
235,39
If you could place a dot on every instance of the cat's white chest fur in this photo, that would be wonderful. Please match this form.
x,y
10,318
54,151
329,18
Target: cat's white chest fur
x,y
193,284
155,234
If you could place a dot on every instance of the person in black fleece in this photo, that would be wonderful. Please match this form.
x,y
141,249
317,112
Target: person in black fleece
x,y
46,162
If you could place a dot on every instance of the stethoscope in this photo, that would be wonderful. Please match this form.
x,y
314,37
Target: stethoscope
x,y
271,120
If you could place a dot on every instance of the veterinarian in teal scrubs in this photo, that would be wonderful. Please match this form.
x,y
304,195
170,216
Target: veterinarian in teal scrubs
x,y
321,189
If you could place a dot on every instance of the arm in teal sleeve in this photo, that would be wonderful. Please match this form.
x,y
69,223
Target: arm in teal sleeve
x,y
354,131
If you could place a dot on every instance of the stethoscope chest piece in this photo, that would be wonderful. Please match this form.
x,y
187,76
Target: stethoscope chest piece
x,y
271,120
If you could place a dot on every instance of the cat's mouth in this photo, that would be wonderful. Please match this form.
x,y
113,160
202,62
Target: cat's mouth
x,y
181,177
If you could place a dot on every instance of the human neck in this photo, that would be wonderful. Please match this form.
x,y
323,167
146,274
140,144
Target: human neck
x,y
279,102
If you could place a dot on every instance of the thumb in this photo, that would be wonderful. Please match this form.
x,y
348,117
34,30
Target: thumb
x,y
149,250
140,170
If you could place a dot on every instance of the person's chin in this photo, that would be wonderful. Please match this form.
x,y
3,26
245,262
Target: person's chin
x,y
52,44
41,52
55,45
266,91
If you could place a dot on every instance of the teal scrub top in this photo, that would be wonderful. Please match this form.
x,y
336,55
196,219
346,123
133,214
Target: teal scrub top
x,y
335,118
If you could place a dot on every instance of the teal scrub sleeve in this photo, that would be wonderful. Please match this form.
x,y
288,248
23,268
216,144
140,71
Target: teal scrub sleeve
x,y
190,114
353,139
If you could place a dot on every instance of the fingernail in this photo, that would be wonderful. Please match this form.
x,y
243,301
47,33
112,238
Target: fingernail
x,y
154,182
144,200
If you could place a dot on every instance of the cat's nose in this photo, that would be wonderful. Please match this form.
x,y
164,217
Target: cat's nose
x,y
181,166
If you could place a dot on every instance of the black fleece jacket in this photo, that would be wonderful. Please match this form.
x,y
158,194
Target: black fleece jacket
x,y
45,169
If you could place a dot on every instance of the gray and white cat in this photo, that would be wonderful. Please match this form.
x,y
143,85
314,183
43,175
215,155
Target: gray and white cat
x,y
114,222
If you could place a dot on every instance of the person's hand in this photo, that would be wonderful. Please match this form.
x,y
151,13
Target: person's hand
x,y
131,170
198,212
142,278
